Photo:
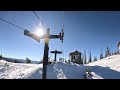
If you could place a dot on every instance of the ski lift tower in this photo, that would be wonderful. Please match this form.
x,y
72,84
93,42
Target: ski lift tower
x,y
56,52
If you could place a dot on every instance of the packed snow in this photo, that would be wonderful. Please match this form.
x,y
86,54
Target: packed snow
x,y
65,71
9,70
107,68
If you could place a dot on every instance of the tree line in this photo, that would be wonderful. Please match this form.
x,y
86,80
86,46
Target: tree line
x,y
17,61
108,53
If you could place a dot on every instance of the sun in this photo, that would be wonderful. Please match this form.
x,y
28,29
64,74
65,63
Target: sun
x,y
39,32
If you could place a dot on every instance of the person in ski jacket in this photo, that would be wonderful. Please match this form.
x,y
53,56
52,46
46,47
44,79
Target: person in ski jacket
x,y
88,70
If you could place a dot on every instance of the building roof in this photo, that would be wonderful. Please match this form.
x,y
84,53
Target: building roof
x,y
75,52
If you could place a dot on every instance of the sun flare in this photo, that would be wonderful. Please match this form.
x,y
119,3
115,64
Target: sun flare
x,y
39,32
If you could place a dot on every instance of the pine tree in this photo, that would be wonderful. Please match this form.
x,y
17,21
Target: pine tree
x,y
107,53
95,59
115,52
101,55
28,60
85,57
69,61
65,60
90,58
0,56
82,60
112,53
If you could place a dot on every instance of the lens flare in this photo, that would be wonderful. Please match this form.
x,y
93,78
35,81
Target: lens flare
x,y
39,32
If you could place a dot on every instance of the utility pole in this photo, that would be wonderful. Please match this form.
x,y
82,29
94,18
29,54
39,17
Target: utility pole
x,y
56,52
46,47
45,57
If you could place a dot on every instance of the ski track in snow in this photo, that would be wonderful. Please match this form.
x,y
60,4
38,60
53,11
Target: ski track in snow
x,y
59,72
69,71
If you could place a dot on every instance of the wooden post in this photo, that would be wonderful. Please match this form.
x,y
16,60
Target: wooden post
x,y
55,56
56,52
45,58
46,47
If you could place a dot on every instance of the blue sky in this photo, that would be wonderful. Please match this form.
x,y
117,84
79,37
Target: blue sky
x,y
89,30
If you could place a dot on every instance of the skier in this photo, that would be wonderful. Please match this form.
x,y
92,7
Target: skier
x,y
88,70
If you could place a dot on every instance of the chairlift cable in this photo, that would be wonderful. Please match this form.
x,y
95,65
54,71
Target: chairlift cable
x,y
12,24
39,18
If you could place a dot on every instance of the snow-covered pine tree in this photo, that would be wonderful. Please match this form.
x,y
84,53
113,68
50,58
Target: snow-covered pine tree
x,y
107,52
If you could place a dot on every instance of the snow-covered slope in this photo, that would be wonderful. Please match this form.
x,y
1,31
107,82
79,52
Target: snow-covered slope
x,y
108,68
59,70
10,70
